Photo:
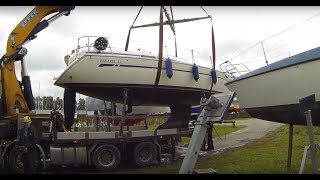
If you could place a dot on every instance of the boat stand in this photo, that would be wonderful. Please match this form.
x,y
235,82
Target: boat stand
x,y
126,101
290,148
214,109
105,121
306,105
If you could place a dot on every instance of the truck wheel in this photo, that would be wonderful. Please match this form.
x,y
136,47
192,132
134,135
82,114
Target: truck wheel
x,y
106,158
144,154
16,161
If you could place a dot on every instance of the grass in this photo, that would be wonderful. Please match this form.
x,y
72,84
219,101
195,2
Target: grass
x,y
152,127
267,155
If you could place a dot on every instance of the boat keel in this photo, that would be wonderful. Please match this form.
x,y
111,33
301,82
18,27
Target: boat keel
x,y
179,117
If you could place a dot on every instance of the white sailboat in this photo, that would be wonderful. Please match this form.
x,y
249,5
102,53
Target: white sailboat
x,y
273,92
102,74
99,71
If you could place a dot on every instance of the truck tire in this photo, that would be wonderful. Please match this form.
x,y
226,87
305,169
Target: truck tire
x,y
144,154
15,161
106,157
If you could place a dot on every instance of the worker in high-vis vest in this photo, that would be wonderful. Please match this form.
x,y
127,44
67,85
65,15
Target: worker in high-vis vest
x,y
27,145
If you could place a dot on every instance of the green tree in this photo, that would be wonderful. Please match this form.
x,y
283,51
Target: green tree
x,y
58,103
81,104
44,102
38,102
50,103
47,102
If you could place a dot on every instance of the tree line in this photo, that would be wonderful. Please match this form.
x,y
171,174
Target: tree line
x,y
49,103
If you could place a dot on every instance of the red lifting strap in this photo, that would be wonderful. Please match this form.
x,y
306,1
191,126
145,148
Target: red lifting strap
x,y
160,48
213,51
213,55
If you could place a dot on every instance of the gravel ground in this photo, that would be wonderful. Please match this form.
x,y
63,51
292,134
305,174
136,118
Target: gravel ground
x,y
254,129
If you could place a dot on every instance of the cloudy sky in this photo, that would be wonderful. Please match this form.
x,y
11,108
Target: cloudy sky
x,y
236,30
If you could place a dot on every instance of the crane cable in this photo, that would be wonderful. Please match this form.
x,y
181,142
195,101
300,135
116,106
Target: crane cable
x,y
127,43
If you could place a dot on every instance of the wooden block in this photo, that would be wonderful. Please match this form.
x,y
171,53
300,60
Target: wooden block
x,y
205,171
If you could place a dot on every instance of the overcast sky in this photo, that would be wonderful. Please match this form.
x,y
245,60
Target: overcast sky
x,y
236,29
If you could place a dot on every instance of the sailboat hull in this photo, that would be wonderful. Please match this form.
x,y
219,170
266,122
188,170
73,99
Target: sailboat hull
x,y
273,92
288,114
104,75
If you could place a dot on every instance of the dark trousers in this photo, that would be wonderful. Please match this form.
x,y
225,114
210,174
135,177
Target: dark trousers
x,y
29,162
209,140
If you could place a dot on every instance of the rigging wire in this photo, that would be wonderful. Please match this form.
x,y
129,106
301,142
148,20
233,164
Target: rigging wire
x,y
275,35
253,61
277,48
268,51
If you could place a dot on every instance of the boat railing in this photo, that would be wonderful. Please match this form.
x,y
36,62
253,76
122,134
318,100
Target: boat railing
x,y
233,70
89,44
